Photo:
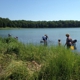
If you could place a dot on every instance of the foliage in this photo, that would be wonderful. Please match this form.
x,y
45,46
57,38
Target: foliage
x,y
16,70
20,61
5,22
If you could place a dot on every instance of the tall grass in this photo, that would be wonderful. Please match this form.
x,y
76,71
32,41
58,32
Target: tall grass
x,y
20,61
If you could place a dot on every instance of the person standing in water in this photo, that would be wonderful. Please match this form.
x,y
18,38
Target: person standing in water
x,y
68,41
59,42
74,43
45,37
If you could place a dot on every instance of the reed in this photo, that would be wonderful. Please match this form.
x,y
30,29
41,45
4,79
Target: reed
x,y
20,61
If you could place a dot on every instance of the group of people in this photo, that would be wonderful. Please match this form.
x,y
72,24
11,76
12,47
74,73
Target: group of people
x,y
69,42
9,35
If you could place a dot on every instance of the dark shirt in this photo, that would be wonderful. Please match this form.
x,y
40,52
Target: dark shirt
x,y
68,42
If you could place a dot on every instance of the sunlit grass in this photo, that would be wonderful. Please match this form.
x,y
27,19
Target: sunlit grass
x,y
20,61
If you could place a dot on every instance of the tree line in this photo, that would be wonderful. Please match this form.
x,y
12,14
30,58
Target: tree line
x,y
6,22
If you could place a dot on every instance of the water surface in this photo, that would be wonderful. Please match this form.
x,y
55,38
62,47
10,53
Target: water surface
x,y
34,35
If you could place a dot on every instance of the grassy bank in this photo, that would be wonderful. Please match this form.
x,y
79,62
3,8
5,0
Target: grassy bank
x,y
20,61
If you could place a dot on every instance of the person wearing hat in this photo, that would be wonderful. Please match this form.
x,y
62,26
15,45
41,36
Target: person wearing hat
x,y
68,41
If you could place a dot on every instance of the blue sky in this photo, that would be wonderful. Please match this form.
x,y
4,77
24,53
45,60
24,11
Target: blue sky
x,y
40,10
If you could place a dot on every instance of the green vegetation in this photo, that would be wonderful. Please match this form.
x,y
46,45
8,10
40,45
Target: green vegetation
x,y
7,23
20,61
